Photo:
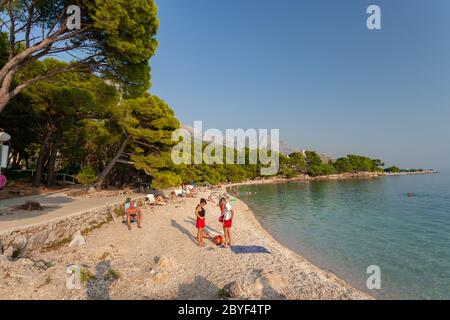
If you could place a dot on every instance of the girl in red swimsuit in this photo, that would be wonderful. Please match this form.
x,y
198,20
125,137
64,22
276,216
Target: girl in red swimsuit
x,y
200,214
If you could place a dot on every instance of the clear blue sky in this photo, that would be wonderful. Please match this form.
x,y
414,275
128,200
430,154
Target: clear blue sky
x,y
312,69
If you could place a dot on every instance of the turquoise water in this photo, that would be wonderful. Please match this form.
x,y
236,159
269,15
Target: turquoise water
x,y
346,226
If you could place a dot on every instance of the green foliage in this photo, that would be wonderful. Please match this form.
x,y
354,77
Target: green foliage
x,y
163,180
87,175
292,165
58,244
343,165
355,163
288,172
57,114
149,122
86,276
112,275
297,161
321,170
312,159
3,48
234,173
315,166
117,38
91,143
125,33
393,169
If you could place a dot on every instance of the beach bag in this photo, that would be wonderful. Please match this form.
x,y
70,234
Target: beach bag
x,y
221,219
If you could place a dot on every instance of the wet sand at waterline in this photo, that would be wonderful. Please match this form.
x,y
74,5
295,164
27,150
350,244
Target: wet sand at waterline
x,y
163,261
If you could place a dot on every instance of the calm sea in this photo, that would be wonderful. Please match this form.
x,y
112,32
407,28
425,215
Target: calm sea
x,y
346,226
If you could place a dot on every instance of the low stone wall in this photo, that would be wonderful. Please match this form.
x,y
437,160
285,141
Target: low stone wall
x,y
55,233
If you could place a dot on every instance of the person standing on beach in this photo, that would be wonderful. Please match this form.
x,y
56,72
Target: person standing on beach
x,y
200,213
227,219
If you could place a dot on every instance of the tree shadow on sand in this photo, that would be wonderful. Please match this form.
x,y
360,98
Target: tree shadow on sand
x,y
98,287
199,289
242,288
207,228
183,230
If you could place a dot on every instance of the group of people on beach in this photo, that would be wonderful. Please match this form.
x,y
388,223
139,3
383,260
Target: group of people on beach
x,y
134,213
225,218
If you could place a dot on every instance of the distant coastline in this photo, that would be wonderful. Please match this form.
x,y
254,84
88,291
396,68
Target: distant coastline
x,y
340,176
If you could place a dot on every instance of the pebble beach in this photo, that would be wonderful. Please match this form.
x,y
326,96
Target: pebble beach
x,y
163,261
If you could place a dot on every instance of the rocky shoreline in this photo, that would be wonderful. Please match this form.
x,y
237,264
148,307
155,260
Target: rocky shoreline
x,y
341,176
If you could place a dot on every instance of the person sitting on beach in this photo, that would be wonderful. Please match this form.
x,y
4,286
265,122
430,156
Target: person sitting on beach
x,y
200,213
227,215
173,196
133,212
211,199
189,191
159,200
184,190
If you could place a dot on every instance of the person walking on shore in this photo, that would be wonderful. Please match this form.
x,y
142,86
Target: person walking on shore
x,y
227,219
200,213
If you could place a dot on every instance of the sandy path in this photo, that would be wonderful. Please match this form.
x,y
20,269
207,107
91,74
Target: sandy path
x,y
184,271
56,205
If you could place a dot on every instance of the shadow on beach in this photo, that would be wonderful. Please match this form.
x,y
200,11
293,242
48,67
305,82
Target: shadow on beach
x,y
207,228
199,289
183,230
98,288
242,288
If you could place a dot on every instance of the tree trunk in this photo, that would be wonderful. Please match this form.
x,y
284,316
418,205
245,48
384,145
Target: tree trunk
x,y
41,160
15,163
102,177
40,164
4,99
5,95
51,180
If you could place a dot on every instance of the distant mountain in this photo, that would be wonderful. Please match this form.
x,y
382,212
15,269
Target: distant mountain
x,y
285,148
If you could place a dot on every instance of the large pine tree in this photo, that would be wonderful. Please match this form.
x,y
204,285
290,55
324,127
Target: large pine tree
x,y
116,39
